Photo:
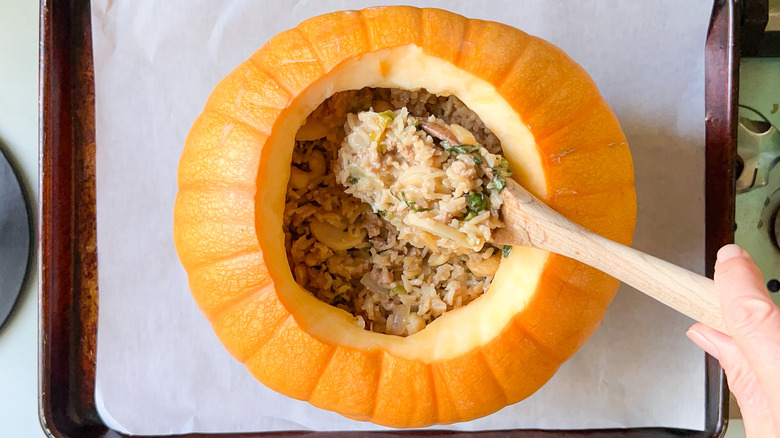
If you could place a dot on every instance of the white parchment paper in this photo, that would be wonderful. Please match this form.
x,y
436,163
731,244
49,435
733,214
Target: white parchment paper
x,y
161,370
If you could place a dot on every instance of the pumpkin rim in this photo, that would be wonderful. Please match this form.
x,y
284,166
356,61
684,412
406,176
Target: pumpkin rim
x,y
590,179
437,341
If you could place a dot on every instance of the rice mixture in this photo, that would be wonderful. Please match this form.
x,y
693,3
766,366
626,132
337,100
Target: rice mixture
x,y
392,197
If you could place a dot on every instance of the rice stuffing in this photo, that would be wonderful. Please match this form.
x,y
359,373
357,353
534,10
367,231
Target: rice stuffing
x,y
392,198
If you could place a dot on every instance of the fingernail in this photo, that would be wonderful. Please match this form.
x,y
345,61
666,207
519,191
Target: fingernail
x,y
729,252
703,343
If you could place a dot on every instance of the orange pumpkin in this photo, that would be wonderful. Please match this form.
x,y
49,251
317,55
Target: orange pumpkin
x,y
562,141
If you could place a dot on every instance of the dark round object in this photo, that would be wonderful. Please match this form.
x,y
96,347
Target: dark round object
x,y
773,285
15,238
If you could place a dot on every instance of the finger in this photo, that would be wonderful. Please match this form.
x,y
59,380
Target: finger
x,y
743,383
751,317
704,342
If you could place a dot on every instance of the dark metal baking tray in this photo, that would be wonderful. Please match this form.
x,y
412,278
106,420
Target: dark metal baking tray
x,y
68,252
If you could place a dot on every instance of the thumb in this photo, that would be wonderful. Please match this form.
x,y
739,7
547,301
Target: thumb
x,y
751,317
747,308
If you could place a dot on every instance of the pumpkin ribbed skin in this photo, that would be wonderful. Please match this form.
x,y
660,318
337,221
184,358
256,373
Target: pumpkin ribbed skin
x,y
239,280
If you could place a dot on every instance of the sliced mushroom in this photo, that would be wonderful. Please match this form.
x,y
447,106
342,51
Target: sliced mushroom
x,y
463,134
486,267
438,131
300,179
311,131
335,238
301,274
437,259
414,324
381,106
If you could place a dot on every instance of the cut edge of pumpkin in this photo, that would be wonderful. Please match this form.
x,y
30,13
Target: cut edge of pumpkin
x,y
461,330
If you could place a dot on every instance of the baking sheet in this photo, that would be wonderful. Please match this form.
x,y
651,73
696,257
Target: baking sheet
x,y
161,370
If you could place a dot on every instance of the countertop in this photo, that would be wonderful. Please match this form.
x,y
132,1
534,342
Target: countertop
x,y
19,133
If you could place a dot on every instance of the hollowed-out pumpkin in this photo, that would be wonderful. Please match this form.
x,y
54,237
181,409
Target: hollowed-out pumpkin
x,y
561,139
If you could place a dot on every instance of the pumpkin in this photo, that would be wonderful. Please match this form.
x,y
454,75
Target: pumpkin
x,y
563,144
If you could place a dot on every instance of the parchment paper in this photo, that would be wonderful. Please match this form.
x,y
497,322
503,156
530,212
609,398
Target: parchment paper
x,y
161,370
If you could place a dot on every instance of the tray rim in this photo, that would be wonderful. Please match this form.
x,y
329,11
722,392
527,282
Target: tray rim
x,y
66,408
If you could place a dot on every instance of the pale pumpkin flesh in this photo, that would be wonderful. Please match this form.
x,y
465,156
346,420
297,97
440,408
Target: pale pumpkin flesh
x,y
561,139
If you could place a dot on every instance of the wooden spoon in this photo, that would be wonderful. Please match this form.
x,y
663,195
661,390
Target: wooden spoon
x,y
529,222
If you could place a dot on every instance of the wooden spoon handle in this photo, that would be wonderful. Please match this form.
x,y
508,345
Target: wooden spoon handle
x,y
530,222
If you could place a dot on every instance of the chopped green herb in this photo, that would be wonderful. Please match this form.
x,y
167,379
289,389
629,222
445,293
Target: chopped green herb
x,y
385,214
503,167
499,182
500,173
411,204
406,201
353,180
477,202
339,299
416,123
462,149
470,216
398,289
506,250
385,117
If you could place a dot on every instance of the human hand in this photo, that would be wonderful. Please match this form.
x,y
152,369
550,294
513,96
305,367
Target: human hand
x,y
751,355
